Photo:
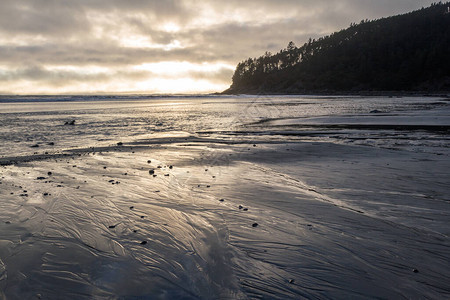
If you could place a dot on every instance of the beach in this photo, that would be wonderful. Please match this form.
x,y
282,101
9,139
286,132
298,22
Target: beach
x,y
224,197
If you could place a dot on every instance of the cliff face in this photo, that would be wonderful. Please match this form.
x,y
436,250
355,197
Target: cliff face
x,y
407,52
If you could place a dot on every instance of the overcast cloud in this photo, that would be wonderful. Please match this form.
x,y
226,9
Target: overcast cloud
x,y
158,46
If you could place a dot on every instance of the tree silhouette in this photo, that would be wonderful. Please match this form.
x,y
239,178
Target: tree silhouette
x,y
406,52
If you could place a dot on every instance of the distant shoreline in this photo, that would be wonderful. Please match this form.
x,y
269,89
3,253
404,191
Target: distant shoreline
x,y
444,94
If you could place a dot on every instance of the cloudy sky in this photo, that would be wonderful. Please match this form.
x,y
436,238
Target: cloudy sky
x,y
158,46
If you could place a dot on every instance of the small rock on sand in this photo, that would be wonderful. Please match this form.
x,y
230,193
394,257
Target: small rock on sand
x,y
415,271
143,242
221,200
254,224
112,226
241,207
131,207
72,122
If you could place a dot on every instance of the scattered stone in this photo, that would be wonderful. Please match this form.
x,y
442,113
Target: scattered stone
x,y
166,174
104,167
49,173
7,222
112,226
40,178
151,172
45,194
134,230
24,195
34,146
154,175
170,167
112,180
119,144
143,242
208,186
291,281
254,224
415,271
149,161
51,144
70,122
159,167
221,200
206,170
245,209
375,111
131,207
142,217
241,207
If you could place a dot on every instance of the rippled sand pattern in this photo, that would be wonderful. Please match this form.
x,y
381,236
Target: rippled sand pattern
x,y
225,198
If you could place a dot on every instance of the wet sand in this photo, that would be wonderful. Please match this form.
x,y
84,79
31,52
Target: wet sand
x,y
333,221
267,205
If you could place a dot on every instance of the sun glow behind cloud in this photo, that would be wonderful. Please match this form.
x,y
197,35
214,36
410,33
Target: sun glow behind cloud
x,y
167,77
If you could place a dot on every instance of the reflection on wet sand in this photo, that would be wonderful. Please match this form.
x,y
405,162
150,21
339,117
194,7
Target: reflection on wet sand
x,y
225,214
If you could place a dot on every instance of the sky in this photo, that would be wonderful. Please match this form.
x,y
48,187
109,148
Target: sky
x,y
158,46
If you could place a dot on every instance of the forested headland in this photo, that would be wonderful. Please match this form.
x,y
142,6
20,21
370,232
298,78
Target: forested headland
x,y
408,52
